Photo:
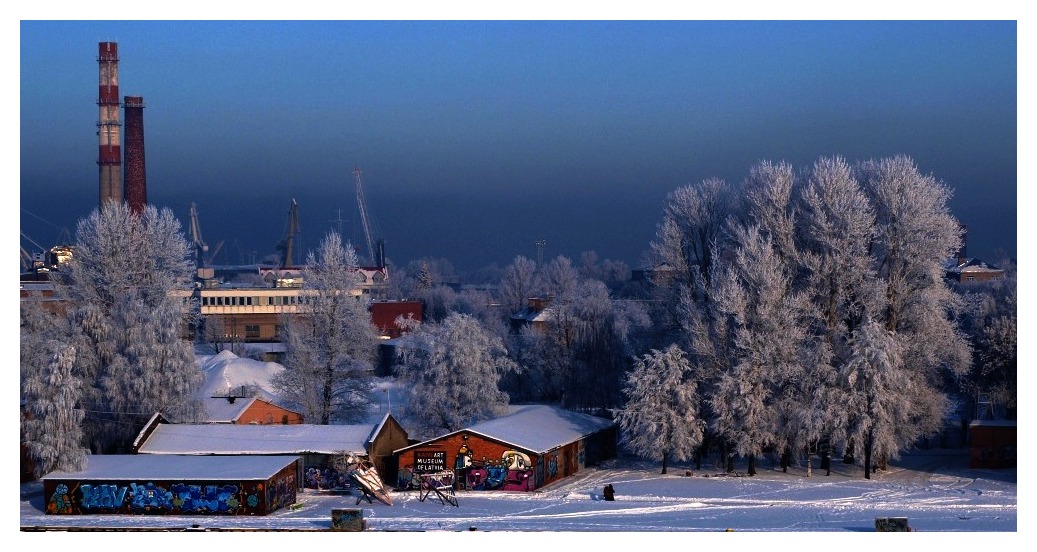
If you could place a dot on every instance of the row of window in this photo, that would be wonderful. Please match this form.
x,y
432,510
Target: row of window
x,y
251,332
246,301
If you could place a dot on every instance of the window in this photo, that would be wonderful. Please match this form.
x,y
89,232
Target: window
x,y
251,331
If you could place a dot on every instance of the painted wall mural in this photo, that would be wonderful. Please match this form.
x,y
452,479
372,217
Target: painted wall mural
x,y
328,479
149,497
513,472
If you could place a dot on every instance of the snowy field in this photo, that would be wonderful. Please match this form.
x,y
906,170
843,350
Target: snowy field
x,y
933,489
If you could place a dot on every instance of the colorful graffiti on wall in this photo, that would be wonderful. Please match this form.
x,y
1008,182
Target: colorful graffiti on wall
x,y
513,472
176,498
327,479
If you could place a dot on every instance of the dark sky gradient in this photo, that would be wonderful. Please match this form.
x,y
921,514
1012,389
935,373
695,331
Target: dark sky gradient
x,y
478,138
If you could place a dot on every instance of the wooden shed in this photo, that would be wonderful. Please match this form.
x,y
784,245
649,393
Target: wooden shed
x,y
173,485
532,446
318,445
993,444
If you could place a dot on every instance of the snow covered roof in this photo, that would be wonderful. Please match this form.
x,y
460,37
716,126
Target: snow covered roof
x,y
133,466
971,265
235,439
535,427
226,372
221,410
529,314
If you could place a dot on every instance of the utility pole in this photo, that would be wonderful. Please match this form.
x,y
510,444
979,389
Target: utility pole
x,y
338,220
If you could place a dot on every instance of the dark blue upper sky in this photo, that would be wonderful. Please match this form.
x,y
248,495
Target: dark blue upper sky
x,y
476,139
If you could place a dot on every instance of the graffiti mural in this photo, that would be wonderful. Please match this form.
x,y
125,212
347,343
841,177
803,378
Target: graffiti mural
x,y
59,501
327,479
513,472
552,466
202,500
280,493
103,496
149,497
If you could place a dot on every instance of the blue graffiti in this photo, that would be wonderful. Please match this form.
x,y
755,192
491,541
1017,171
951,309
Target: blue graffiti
x,y
552,466
150,496
495,476
102,496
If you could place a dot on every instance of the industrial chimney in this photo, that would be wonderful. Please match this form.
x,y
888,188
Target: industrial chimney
x,y
135,175
109,159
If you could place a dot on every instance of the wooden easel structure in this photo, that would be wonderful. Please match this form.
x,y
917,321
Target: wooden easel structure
x,y
364,494
440,483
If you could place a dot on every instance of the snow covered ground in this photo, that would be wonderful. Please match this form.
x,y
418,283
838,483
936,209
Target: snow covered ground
x,y
934,489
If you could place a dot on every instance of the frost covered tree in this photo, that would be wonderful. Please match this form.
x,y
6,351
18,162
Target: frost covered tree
x,y
693,219
875,379
520,282
836,233
846,243
915,235
125,287
660,420
585,344
685,242
452,370
52,417
753,295
330,345
53,430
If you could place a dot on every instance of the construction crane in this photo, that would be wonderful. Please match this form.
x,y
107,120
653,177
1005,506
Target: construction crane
x,y
29,260
200,247
363,213
289,236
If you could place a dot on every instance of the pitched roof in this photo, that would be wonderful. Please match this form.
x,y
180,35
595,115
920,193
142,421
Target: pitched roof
x,y
223,410
234,439
133,466
971,265
535,428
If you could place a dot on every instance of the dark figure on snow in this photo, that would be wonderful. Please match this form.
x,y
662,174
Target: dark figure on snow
x,y
610,493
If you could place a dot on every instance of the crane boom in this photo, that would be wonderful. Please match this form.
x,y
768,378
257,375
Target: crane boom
x,y
289,235
363,212
200,247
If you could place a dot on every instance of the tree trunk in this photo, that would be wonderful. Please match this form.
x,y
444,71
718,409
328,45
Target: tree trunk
x,y
786,459
810,462
752,464
867,456
730,453
666,458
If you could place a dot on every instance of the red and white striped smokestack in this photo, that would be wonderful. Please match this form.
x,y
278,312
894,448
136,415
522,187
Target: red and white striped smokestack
x,y
109,158
135,175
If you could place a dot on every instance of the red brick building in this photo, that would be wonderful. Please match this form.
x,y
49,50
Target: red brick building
x,y
248,410
993,444
532,446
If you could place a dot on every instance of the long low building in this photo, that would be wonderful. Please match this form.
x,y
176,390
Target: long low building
x,y
319,446
532,446
173,485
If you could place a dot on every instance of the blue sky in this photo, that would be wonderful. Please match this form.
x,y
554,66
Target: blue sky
x,y
478,138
